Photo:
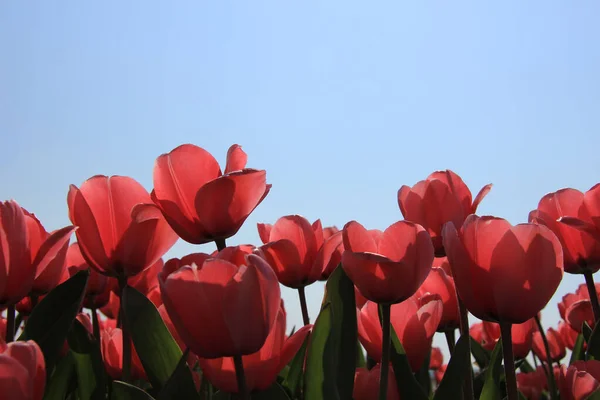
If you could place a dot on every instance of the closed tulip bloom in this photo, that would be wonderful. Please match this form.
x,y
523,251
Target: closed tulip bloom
x,y
436,359
497,267
442,197
296,250
588,218
260,368
173,264
580,250
415,325
146,281
387,267
192,358
112,354
580,380
111,309
366,384
120,232
221,309
48,252
522,336
555,343
575,308
22,371
439,283
96,291
567,334
532,384
202,204
479,334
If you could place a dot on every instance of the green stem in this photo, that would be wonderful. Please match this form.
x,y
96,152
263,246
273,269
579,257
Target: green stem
x,y
385,350
125,332
241,378
220,244
451,340
18,322
551,382
302,296
10,323
591,287
509,361
464,330
95,324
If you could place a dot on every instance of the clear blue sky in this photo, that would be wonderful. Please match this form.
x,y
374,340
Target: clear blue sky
x,y
342,102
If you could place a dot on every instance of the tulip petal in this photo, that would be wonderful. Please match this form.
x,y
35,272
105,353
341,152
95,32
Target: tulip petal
x,y
50,260
16,271
583,226
264,231
482,193
236,159
283,257
357,239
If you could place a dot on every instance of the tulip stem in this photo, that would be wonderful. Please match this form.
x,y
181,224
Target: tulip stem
x,y
464,330
509,361
385,350
302,296
241,378
550,375
591,287
10,323
34,300
220,244
95,324
125,332
450,339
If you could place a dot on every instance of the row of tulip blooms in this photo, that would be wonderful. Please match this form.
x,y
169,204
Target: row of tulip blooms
x,y
213,326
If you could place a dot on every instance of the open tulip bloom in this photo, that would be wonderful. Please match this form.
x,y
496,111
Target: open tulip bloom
x,y
113,315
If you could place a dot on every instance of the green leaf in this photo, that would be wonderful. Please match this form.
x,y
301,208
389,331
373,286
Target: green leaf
x,y
320,375
125,391
91,377
50,321
491,387
361,360
524,366
453,379
158,351
275,392
343,337
578,352
293,379
594,396
593,346
586,331
481,355
423,376
408,387
178,386
58,385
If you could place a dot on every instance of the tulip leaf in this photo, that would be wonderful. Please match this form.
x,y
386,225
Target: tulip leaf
x,y
593,346
178,386
293,379
524,366
340,294
408,387
320,375
455,374
594,396
50,321
423,376
586,331
64,372
491,388
361,361
578,352
158,351
125,391
85,350
481,355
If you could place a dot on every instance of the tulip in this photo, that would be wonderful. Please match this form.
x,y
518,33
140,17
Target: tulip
x,y
387,267
568,335
297,252
580,380
22,371
366,382
436,359
439,373
200,203
442,197
488,333
575,308
439,283
112,354
532,384
192,358
261,368
479,334
96,291
555,343
173,264
414,323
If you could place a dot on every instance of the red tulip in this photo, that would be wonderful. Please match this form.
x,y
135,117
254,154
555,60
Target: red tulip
x,y
555,342
202,204
532,384
112,307
414,324
174,264
96,292
442,197
387,267
261,368
112,354
439,283
488,334
439,373
146,281
297,251
17,272
221,309
479,334
437,359
568,335
192,358
2,328
442,262
47,253
497,267
588,217
575,308
22,371
366,384
581,251
580,380
360,299
120,233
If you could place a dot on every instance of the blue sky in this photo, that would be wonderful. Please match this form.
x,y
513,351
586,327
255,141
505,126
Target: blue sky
x,y
342,102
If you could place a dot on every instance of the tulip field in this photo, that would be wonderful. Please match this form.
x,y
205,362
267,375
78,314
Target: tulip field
x,y
95,311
